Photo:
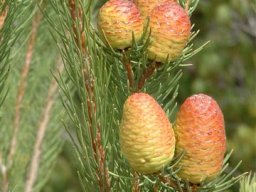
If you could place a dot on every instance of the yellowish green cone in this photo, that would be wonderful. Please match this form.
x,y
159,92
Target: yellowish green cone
x,y
170,31
146,135
118,19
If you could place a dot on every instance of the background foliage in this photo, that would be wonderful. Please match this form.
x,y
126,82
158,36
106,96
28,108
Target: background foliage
x,y
225,69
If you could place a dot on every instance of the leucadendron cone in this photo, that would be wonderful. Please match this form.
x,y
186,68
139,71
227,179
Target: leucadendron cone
x,y
146,135
200,133
170,31
119,20
146,6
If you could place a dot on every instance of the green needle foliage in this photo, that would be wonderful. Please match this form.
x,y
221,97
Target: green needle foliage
x,y
96,82
248,183
8,35
30,119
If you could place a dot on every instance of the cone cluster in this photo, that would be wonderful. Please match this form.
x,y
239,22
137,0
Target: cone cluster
x,y
147,138
121,21
148,142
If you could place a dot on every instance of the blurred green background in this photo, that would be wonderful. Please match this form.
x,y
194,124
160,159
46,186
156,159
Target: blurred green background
x,y
225,69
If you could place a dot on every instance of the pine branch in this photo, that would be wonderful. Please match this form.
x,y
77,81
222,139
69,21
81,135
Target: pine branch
x,y
23,84
78,64
29,98
98,79
21,92
77,17
8,36
42,127
98,151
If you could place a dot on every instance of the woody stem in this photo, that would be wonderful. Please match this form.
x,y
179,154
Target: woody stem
x,y
148,72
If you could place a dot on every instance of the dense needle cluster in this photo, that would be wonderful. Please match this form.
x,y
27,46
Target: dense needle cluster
x,y
147,138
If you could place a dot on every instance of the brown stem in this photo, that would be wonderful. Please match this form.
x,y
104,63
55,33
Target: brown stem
x,y
97,148
22,87
128,68
88,81
173,184
194,187
42,127
91,108
169,182
98,151
103,168
77,14
135,186
155,187
147,74
23,83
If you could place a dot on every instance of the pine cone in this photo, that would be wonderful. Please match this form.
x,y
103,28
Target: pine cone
x,y
146,6
146,135
170,31
118,19
200,133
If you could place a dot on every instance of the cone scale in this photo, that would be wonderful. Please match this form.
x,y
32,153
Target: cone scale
x,y
146,6
146,135
119,19
200,133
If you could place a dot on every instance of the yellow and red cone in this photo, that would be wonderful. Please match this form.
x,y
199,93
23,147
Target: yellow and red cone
x,y
146,135
170,31
118,19
200,133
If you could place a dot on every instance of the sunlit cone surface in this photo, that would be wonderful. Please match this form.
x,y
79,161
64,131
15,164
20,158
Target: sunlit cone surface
x,y
170,31
200,133
146,6
3,15
118,19
146,135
